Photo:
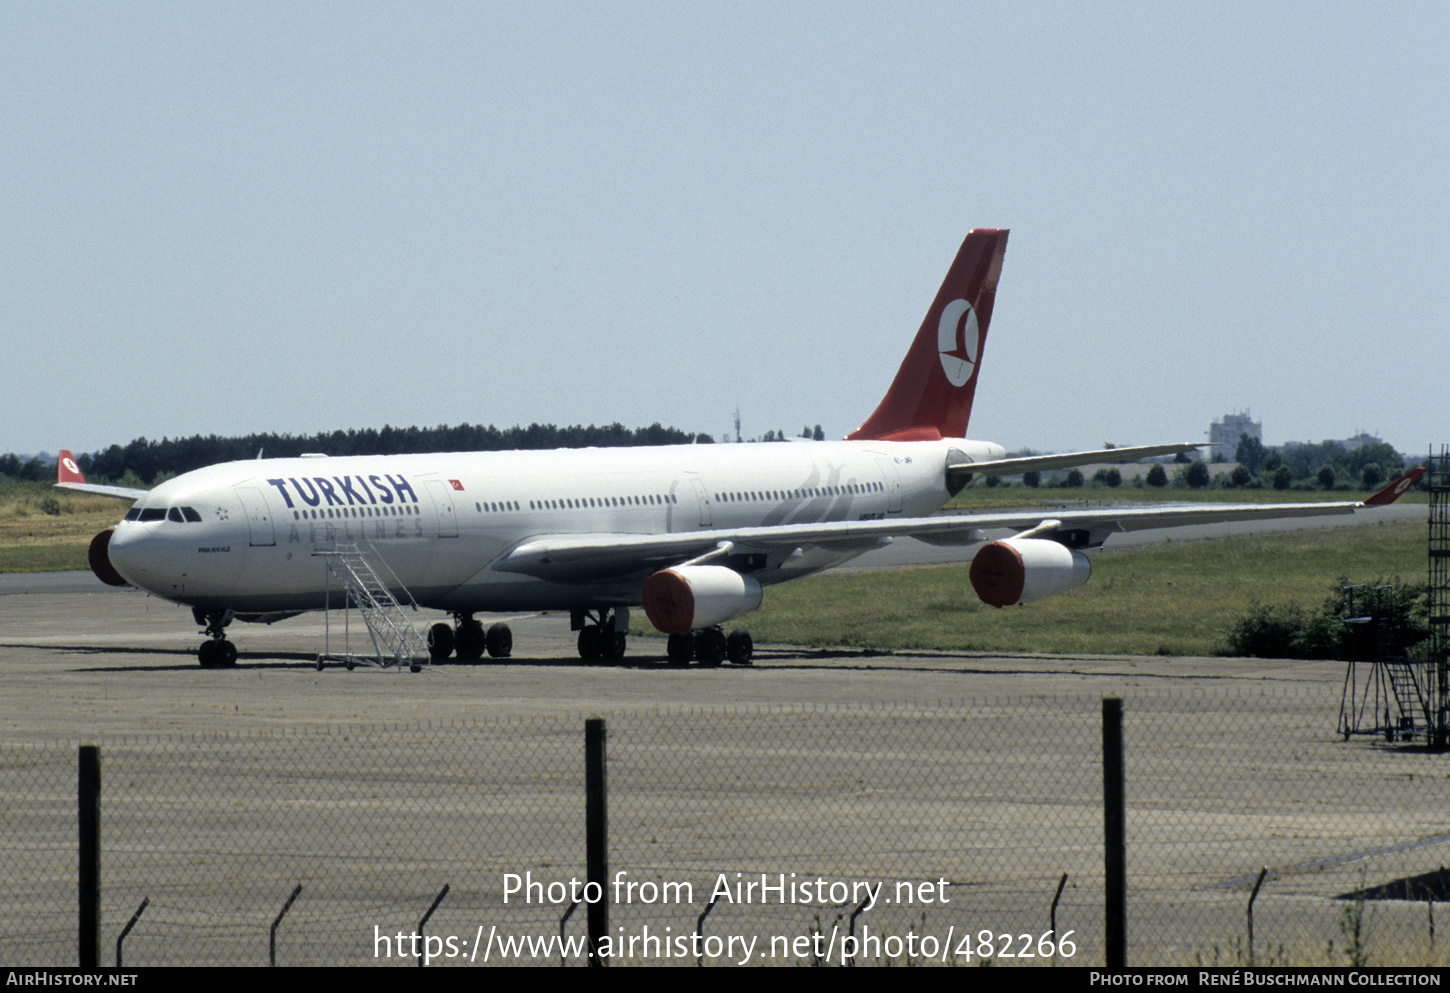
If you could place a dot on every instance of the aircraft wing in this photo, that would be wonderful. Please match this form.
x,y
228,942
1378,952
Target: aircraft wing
x,y
68,477
583,557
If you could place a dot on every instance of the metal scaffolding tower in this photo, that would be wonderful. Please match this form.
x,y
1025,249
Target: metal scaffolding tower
x,y
1385,693
1387,690
396,642
1438,480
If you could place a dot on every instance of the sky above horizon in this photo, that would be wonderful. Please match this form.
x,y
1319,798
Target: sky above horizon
x,y
227,218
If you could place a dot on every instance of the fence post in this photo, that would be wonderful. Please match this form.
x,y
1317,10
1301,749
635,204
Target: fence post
x,y
88,796
596,836
1115,855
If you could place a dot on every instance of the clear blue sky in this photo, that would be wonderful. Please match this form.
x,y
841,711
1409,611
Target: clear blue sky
x,y
292,217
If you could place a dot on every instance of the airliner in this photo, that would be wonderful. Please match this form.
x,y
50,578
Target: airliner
x,y
691,533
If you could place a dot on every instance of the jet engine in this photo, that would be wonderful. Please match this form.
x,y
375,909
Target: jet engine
x,y
1020,570
98,555
693,597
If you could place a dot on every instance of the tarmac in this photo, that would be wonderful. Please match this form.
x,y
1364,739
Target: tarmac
x,y
110,661
980,774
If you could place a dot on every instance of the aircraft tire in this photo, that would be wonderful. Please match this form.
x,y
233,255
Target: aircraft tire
x,y
681,649
500,641
207,655
470,641
615,645
227,657
440,641
740,647
710,647
591,642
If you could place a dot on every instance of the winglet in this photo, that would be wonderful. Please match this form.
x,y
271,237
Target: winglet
x,y
931,396
1392,492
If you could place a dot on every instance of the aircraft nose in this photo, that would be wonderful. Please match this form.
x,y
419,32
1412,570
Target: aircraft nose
x,y
132,552
179,560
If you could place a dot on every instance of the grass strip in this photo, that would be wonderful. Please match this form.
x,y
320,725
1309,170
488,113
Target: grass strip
x,y
1178,598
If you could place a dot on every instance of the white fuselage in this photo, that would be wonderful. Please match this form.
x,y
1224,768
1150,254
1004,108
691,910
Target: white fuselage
x,y
244,535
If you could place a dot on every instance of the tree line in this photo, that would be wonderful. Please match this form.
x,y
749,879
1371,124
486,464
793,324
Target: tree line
x,y
1324,466
145,463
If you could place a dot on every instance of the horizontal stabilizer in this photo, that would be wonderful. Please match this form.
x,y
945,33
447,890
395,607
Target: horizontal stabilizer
x,y
1039,463
68,477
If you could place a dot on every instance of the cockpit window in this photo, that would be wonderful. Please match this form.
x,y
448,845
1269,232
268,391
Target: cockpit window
x,y
133,514
153,514
174,514
191,515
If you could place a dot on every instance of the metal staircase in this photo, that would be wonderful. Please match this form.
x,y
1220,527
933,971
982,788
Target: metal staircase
x,y
396,642
1409,694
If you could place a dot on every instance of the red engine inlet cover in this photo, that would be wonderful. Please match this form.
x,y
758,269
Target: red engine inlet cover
x,y
98,555
669,603
998,575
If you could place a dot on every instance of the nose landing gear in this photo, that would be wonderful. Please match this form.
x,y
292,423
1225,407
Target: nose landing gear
x,y
218,653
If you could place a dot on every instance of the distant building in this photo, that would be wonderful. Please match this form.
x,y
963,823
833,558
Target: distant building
x,y
1348,444
1224,435
1360,440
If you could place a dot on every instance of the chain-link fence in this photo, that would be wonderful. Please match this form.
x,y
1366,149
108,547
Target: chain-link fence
x,y
771,834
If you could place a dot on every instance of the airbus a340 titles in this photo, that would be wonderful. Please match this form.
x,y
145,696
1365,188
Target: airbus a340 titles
x,y
692,533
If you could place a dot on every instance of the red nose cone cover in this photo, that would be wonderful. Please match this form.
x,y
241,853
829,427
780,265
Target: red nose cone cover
x,y
997,574
101,561
669,603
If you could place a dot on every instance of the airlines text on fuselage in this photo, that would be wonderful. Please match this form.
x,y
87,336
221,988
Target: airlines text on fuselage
x,y
345,491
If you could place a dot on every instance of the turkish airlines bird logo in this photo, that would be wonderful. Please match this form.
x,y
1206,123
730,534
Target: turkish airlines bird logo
x,y
956,340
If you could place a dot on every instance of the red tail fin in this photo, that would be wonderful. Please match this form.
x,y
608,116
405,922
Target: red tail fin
x,y
66,470
931,396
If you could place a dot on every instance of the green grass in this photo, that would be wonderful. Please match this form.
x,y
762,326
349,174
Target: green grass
x,y
44,529
1170,599
44,558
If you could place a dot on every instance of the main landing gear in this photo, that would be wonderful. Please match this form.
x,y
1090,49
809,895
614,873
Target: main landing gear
x,y
711,647
218,653
603,634
469,640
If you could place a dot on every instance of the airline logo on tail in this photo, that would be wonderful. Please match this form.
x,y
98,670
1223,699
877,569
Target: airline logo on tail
x,y
956,340
931,396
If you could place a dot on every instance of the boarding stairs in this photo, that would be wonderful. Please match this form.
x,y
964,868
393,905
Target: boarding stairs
x,y
395,639
1409,696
